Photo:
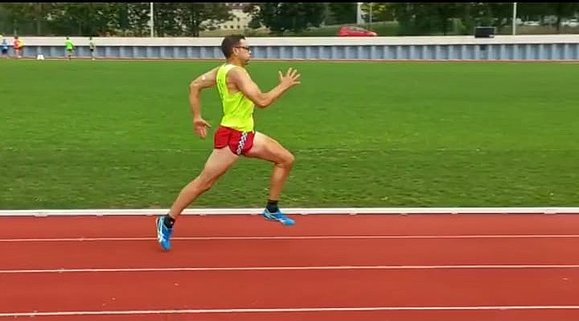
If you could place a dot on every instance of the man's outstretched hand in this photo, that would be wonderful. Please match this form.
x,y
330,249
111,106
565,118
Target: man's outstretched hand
x,y
290,79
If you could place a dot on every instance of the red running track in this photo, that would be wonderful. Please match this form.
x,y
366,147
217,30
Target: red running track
x,y
327,267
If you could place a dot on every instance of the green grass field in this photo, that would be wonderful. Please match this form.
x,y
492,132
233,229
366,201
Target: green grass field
x,y
111,134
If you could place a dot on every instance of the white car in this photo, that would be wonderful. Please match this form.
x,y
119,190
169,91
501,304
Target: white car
x,y
571,23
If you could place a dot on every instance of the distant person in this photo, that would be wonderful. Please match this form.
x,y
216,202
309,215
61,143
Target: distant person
x,y
69,48
91,47
4,47
18,45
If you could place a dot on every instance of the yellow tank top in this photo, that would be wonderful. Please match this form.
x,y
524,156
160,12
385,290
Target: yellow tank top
x,y
237,109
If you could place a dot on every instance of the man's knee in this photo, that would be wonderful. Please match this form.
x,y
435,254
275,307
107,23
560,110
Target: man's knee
x,y
288,160
206,186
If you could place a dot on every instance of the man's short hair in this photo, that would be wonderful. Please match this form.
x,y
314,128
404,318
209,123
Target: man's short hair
x,y
229,42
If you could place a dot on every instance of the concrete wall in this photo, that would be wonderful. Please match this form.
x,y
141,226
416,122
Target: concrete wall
x,y
542,47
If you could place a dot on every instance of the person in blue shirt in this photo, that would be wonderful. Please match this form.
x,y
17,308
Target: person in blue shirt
x,y
4,47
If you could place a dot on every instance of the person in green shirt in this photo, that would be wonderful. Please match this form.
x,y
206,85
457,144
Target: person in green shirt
x,y
235,135
69,48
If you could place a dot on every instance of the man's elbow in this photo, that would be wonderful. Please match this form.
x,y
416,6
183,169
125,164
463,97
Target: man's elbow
x,y
194,87
262,102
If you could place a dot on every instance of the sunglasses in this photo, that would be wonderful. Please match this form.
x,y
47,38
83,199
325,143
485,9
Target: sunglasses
x,y
244,47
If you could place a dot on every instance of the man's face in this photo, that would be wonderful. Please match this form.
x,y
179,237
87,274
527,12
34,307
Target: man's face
x,y
243,51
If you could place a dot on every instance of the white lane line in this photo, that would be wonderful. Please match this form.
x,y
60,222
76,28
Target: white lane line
x,y
304,237
299,210
277,310
297,268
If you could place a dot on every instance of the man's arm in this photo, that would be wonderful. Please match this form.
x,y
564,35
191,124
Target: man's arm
x,y
250,89
207,80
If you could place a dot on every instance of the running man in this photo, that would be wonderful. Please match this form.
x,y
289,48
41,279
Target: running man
x,y
69,48
235,135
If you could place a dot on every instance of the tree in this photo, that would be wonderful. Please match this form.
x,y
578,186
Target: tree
x,y
563,10
532,10
501,13
166,21
280,17
444,13
342,12
416,18
138,19
4,18
380,11
39,13
253,10
81,19
200,16
24,18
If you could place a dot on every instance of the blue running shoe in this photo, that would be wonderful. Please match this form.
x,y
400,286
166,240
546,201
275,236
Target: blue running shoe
x,y
278,216
163,234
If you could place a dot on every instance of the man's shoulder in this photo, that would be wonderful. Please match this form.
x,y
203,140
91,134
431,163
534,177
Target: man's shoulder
x,y
238,70
228,69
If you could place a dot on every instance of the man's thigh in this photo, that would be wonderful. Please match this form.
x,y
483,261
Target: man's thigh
x,y
267,148
218,163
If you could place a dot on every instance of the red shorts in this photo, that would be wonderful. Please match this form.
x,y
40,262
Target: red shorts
x,y
239,142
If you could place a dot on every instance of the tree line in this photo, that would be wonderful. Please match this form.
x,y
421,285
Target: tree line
x,y
189,19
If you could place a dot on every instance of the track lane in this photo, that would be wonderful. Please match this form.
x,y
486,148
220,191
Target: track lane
x,y
254,225
233,253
